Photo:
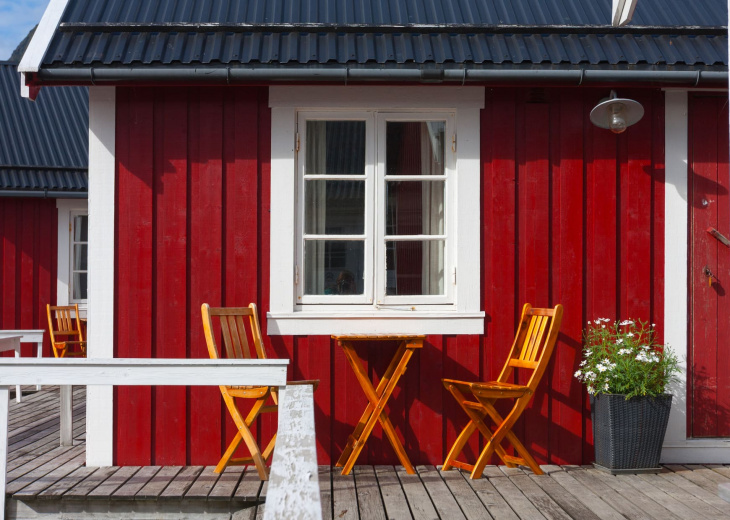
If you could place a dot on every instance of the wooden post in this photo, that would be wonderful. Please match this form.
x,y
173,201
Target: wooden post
x,y
67,404
294,480
4,409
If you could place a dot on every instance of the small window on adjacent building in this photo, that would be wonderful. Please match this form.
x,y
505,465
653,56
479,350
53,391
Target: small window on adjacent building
x,y
79,247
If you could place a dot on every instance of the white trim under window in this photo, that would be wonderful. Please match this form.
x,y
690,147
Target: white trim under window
x,y
452,308
67,210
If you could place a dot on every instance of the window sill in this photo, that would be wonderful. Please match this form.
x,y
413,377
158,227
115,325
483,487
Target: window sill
x,y
374,322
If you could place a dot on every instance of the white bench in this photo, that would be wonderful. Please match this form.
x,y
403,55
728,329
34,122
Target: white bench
x,y
131,372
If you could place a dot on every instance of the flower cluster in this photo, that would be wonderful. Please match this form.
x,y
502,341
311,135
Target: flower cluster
x,y
624,358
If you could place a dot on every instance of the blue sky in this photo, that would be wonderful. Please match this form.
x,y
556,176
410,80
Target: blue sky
x,y
17,17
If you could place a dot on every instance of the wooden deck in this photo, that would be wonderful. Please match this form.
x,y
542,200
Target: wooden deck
x,y
49,481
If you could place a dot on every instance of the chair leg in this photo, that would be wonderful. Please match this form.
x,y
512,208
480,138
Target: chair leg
x,y
459,444
247,437
229,453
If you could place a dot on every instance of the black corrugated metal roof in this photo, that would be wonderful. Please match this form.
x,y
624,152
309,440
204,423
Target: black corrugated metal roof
x,y
43,143
118,33
396,12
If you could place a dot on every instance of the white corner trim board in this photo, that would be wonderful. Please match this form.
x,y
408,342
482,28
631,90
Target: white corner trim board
x,y
38,45
100,304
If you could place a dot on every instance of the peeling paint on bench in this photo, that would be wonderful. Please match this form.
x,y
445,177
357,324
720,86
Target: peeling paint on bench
x,y
294,482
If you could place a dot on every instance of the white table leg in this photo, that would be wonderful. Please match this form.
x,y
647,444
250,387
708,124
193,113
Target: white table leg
x,y
39,355
67,402
4,408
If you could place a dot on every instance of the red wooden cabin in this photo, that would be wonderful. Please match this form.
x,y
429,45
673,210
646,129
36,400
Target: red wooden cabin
x,y
249,160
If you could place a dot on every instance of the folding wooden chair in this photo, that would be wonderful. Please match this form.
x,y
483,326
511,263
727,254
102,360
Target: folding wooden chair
x,y
237,341
531,351
62,323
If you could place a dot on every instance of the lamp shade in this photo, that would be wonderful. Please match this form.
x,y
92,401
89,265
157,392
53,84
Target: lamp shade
x,y
616,114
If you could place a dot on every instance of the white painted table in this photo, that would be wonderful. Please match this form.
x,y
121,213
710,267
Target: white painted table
x,y
12,342
28,336
127,372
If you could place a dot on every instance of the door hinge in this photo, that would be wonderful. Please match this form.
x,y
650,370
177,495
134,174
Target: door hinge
x,y
296,275
454,275
453,142
296,142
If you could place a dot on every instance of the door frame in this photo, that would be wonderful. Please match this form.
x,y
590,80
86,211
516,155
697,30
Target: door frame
x,y
677,447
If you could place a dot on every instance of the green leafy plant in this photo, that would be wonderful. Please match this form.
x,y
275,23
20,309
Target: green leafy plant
x,y
624,358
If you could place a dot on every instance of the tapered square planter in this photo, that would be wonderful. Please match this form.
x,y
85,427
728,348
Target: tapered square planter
x,y
628,434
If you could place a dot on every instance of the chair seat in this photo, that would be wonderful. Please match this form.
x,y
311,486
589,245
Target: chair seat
x,y
488,389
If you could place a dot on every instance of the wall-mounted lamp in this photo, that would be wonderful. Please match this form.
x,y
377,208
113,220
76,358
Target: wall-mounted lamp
x,y
616,114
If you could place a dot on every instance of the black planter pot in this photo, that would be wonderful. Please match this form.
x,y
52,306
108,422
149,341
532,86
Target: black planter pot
x,y
628,435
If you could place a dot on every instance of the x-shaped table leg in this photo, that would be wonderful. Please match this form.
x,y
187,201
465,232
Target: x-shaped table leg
x,y
375,410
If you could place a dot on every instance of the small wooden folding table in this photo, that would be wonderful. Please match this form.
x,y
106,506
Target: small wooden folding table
x,y
377,397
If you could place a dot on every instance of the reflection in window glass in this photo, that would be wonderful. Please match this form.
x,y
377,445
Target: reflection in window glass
x,y
334,207
414,208
333,267
415,147
414,267
335,148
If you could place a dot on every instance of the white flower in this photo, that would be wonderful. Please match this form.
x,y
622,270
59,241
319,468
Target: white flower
x,y
605,387
603,326
577,374
619,341
653,324
630,334
626,322
601,368
624,351
641,356
583,363
590,375
591,390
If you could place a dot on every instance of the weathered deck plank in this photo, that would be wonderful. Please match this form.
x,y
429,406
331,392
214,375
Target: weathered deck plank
x,y
344,496
394,498
50,481
370,503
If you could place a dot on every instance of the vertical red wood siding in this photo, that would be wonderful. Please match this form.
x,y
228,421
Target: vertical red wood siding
x,y
708,396
29,253
571,214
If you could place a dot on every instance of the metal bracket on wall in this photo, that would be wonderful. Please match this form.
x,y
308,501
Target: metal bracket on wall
x,y
715,233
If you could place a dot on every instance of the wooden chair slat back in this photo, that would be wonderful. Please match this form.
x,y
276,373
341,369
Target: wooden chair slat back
x,y
62,323
534,343
233,331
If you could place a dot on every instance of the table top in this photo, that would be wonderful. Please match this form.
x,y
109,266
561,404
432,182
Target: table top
x,y
378,337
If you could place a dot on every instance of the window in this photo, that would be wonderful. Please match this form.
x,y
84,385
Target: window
x,y
372,210
73,246
79,231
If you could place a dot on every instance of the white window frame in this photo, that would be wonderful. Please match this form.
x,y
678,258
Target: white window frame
x,y
461,313
67,209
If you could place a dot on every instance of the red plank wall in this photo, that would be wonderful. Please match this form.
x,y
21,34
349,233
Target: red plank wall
x,y
571,214
28,254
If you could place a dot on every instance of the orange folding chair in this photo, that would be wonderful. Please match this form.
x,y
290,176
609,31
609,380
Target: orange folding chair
x,y
61,324
241,335
531,351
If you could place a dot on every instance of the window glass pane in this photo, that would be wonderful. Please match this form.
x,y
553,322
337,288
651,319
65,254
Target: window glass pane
x,y
414,208
79,289
414,147
80,254
81,228
333,266
414,267
335,148
334,207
